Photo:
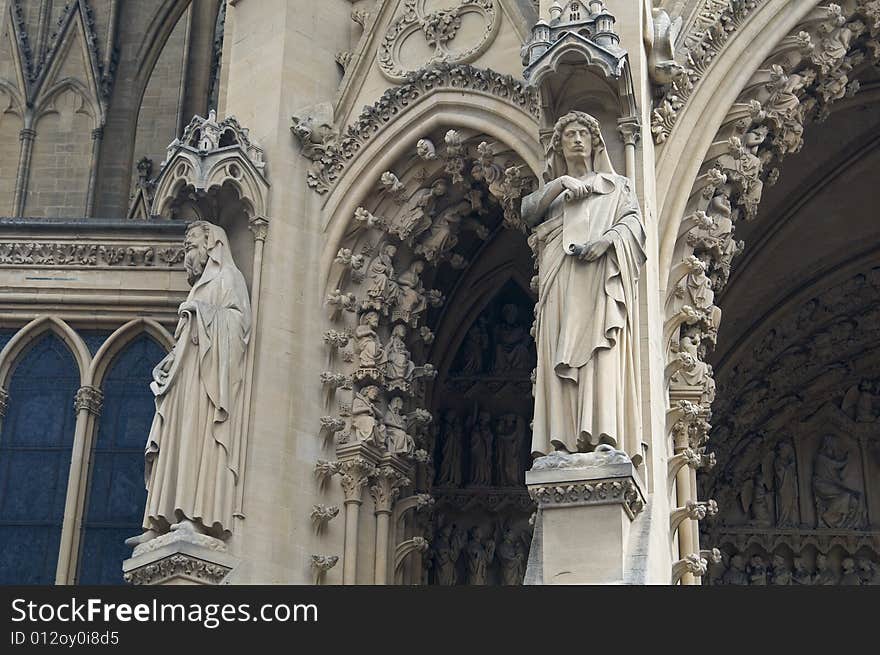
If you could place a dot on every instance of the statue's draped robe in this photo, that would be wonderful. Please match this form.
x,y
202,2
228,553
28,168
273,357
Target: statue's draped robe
x,y
586,390
194,451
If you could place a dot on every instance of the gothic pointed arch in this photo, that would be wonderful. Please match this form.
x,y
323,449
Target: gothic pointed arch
x,y
34,330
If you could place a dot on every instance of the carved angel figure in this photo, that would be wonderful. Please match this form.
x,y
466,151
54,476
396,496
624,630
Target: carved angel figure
x,y
366,416
398,367
837,504
416,217
382,290
397,439
412,301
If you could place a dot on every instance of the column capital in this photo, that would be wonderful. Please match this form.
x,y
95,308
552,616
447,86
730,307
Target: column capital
x,y
90,399
27,134
630,130
354,475
385,488
259,225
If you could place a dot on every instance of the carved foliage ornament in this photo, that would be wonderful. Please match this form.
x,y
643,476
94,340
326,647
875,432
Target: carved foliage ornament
x,y
439,28
331,155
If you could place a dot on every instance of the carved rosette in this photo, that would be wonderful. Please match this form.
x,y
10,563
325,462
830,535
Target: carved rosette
x,y
178,566
90,399
595,492
438,28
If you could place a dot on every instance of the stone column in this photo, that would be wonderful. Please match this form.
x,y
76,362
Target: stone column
x,y
26,136
631,132
88,404
583,522
97,137
385,490
357,463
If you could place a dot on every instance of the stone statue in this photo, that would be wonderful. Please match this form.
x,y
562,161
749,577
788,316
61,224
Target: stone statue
x,y
849,574
837,504
450,466
397,438
366,416
416,217
369,349
443,234
757,571
194,451
590,247
382,289
411,302
447,547
511,344
509,434
785,473
474,350
512,557
868,572
781,572
736,574
398,367
825,575
479,554
860,401
801,575
481,451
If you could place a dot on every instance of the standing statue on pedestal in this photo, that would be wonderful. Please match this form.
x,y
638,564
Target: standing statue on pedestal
x,y
194,451
590,247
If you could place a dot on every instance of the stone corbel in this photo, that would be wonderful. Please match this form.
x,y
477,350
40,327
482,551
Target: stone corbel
x,y
687,457
322,564
693,564
322,515
404,549
695,510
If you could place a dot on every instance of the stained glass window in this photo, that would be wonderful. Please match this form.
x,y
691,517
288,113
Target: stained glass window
x,y
35,448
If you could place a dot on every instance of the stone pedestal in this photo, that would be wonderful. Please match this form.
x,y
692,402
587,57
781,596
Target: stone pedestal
x,y
179,558
583,522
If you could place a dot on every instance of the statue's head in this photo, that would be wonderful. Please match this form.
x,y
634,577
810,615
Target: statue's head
x,y
577,137
390,249
371,319
371,392
439,188
848,564
195,245
399,331
396,404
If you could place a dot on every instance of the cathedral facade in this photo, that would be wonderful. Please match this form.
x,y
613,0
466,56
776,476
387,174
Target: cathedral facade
x,y
430,292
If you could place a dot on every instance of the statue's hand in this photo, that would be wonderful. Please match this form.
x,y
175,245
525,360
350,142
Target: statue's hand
x,y
595,249
575,189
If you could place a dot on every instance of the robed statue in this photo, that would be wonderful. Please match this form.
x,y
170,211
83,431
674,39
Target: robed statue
x,y
589,241
194,451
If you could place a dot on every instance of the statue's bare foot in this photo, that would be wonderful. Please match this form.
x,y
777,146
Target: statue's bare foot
x,y
137,540
186,525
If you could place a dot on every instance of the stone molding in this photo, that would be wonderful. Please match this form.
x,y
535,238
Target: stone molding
x,y
332,152
178,566
614,484
98,255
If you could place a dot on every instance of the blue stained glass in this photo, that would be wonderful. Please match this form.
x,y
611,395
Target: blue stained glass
x,y
35,448
116,497
93,339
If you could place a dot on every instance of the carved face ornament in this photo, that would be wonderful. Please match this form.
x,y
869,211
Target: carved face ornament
x,y
196,258
577,142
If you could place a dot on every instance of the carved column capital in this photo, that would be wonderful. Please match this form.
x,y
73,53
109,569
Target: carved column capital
x,y
259,225
97,134
354,476
4,401
90,399
387,483
27,134
630,131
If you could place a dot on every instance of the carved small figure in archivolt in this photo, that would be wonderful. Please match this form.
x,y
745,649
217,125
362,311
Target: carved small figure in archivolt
x,y
590,246
194,451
